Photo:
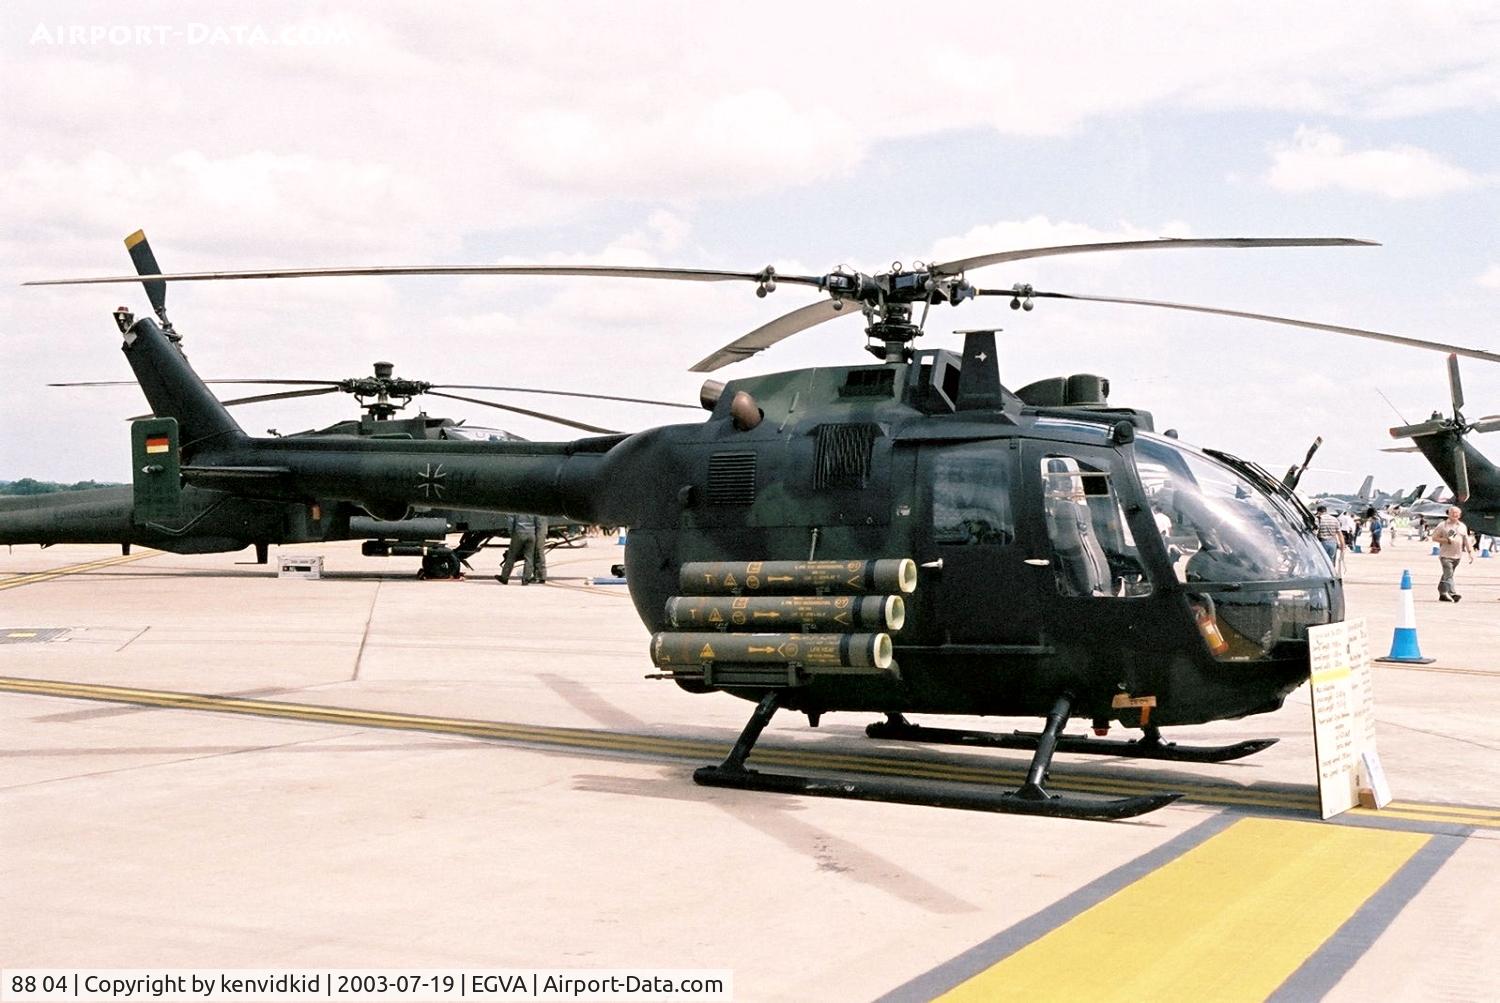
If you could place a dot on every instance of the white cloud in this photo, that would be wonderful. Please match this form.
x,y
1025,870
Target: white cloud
x,y
1490,277
620,132
1316,159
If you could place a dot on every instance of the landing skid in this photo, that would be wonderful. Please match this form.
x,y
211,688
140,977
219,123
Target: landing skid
x,y
1148,747
1031,798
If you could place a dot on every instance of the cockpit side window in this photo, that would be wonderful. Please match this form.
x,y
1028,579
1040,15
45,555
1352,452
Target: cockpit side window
x,y
971,487
1093,551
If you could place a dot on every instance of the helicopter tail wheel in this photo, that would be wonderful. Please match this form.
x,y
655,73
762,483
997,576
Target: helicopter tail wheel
x,y
440,563
1150,746
733,773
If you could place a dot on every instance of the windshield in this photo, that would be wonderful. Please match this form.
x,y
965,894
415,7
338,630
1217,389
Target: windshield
x,y
1218,527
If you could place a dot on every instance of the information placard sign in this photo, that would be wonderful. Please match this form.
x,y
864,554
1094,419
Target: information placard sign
x,y
1343,707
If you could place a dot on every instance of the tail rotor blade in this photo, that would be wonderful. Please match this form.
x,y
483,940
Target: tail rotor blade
x,y
1307,460
1294,475
145,264
1460,473
1422,428
1455,385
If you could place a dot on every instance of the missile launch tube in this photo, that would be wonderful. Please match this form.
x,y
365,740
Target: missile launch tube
x,y
427,528
717,578
674,650
810,614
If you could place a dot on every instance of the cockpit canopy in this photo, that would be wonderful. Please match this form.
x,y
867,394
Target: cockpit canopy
x,y
475,433
1218,527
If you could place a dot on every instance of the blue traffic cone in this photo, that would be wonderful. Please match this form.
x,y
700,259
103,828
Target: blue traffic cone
x,y
1434,551
621,540
1357,550
1404,646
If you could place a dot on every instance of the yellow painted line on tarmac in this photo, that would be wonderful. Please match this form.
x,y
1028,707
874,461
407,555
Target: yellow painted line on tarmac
x,y
1447,809
1199,791
1230,919
73,569
1488,818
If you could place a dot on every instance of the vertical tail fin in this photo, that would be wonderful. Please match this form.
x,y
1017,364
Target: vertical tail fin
x,y
174,390
1367,487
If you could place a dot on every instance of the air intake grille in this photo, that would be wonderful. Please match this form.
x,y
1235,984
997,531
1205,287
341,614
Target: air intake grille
x,y
843,455
869,383
731,479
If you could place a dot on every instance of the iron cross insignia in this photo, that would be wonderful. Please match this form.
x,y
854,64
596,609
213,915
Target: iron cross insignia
x,y
430,481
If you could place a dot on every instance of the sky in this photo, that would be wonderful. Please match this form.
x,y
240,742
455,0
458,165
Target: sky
x,y
737,136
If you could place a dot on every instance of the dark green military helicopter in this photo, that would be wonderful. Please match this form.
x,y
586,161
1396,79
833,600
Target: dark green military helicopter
x,y
1474,479
216,520
903,537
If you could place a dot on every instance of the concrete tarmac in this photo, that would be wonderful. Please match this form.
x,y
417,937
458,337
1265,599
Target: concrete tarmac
x,y
204,766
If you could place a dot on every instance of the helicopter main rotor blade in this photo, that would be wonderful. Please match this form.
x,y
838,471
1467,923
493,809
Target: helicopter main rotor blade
x,y
283,395
1490,424
1395,339
533,414
283,383
1400,449
767,276
134,383
766,335
286,395
565,393
588,271
333,385
1460,473
983,260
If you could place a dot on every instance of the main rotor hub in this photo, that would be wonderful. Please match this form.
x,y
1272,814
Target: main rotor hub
x,y
386,389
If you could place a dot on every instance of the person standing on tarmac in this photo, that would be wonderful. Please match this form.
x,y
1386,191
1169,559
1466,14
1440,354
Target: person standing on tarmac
x,y
1377,527
1348,527
1329,534
1452,538
528,541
